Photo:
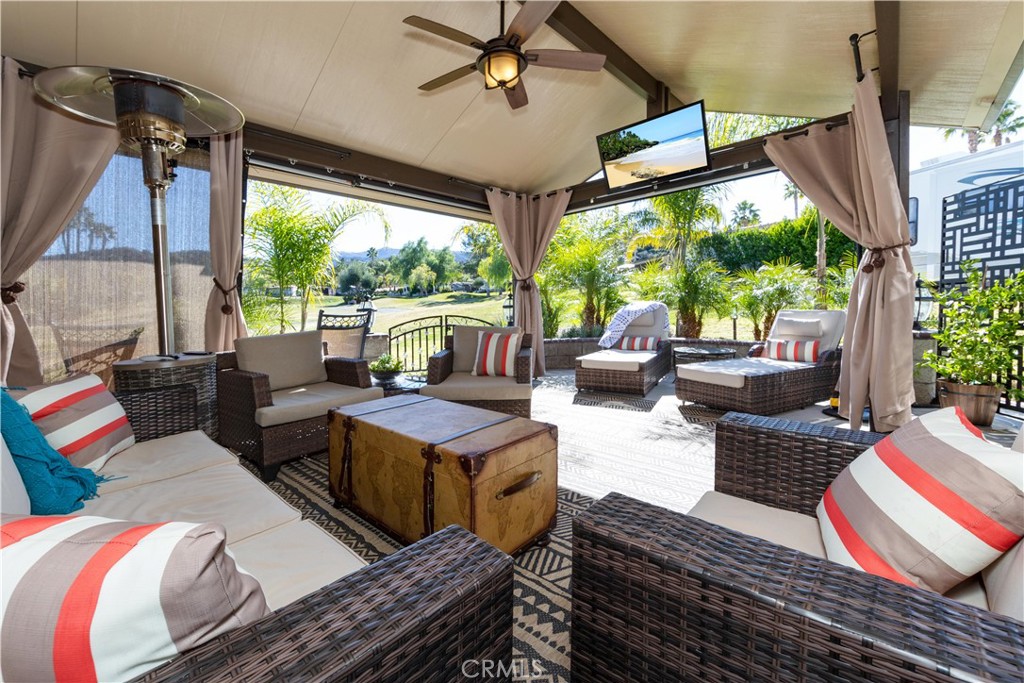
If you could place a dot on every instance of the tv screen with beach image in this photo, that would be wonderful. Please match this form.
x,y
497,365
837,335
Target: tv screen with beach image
x,y
667,145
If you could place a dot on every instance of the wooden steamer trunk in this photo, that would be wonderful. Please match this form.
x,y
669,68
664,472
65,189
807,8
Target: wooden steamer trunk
x,y
415,464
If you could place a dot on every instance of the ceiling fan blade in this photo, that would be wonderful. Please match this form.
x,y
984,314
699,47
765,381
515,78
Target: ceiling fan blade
x,y
530,17
449,77
445,31
517,96
566,59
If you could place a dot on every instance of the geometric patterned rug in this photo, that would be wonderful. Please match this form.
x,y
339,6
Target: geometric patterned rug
x,y
542,599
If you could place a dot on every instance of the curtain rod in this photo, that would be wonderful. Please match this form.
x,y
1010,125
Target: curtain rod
x,y
470,183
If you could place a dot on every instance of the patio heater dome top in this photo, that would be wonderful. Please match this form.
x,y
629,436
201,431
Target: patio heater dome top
x,y
108,95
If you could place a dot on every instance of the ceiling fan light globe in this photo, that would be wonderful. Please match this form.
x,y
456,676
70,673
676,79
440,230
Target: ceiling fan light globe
x,y
501,69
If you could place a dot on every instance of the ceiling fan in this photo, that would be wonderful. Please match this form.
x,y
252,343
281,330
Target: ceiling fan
x,y
502,59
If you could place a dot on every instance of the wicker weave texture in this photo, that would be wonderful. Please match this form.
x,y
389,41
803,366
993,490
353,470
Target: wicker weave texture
x,y
766,394
241,392
202,376
782,463
624,382
154,413
416,615
660,596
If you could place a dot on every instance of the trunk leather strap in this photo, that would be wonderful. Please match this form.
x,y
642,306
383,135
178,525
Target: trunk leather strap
x,y
432,457
346,461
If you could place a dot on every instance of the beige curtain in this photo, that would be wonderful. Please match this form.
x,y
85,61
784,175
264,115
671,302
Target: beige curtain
x,y
51,161
848,173
526,225
224,320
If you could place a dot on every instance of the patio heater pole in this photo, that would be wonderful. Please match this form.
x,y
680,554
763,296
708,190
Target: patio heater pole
x,y
157,179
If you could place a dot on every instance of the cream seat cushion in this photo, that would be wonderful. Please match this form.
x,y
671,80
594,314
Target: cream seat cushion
x,y
13,495
617,359
311,400
212,494
462,386
734,372
293,560
288,360
164,458
1004,582
465,339
782,527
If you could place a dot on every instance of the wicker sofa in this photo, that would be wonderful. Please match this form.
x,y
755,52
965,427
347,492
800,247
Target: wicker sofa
x,y
449,377
629,372
764,386
662,596
415,615
273,394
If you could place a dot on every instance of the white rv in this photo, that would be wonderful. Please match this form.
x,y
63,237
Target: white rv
x,y
945,176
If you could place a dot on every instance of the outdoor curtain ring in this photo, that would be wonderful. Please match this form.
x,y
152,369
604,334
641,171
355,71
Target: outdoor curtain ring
x,y
226,309
9,294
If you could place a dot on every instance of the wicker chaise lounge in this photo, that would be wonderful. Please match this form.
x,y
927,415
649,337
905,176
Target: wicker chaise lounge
x,y
629,372
662,596
765,386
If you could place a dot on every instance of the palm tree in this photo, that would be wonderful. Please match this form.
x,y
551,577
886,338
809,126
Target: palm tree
x,y
694,289
744,214
793,192
974,137
1006,123
676,219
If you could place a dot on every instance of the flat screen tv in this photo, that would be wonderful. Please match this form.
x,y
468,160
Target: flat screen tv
x,y
666,146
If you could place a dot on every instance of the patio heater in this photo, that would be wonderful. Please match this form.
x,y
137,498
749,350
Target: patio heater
x,y
154,115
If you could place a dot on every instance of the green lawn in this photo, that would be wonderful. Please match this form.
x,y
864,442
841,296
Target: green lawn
x,y
394,310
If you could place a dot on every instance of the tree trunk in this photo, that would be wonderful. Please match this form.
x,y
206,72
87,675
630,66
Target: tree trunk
x,y
757,332
972,141
589,313
304,308
821,266
280,301
997,138
796,207
688,324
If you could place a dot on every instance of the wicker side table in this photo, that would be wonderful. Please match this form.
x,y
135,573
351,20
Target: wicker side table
x,y
154,372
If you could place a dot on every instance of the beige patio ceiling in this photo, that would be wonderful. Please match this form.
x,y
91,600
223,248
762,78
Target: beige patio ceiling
x,y
346,73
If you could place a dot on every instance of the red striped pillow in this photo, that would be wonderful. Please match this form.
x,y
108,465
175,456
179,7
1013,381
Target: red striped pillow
x,y
789,349
496,354
638,343
931,504
79,418
89,598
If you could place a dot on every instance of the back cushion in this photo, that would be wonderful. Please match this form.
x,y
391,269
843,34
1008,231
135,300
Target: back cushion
x,y
289,360
650,324
795,327
929,505
80,419
1004,583
101,599
808,325
464,344
13,496
638,343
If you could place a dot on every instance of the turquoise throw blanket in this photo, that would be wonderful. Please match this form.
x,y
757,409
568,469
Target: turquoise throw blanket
x,y
54,485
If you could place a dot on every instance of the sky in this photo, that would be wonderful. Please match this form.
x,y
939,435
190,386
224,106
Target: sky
x,y
766,192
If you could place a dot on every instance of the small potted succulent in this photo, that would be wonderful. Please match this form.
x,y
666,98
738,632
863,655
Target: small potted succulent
x,y
386,368
981,326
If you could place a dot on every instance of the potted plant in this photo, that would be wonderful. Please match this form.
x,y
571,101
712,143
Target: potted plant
x,y
982,324
386,368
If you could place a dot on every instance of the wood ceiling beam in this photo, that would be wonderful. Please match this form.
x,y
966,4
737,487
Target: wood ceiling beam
x,y
887,23
570,23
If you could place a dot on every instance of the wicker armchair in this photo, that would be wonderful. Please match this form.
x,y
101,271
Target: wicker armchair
x,y
767,387
418,614
245,397
662,596
512,395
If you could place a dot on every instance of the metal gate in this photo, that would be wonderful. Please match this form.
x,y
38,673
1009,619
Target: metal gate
x,y
415,341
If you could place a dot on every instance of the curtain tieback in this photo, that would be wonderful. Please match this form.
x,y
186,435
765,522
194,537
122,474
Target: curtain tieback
x,y
226,309
525,286
877,260
9,294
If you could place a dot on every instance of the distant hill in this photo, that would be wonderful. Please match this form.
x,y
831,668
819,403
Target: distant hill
x,y
388,252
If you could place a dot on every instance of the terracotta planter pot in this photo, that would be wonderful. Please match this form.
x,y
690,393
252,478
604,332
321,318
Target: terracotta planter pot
x,y
978,401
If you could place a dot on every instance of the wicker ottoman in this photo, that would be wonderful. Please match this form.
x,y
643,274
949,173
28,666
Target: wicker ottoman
x,y
413,464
